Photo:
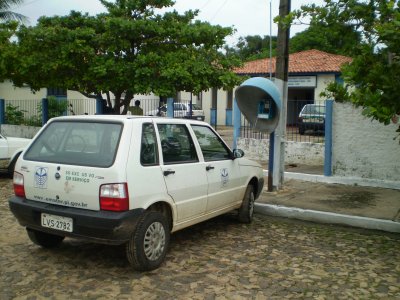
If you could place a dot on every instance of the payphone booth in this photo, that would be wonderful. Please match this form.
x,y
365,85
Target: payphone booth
x,y
259,101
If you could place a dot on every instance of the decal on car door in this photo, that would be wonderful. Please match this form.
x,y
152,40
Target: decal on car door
x,y
224,176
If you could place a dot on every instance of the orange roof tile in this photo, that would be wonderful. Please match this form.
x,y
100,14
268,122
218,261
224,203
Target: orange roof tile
x,y
309,61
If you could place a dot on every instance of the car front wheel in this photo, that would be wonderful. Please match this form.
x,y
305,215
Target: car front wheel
x,y
149,242
246,211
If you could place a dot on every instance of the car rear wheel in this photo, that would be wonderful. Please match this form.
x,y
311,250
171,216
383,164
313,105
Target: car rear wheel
x,y
302,130
149,242
43,239
246,211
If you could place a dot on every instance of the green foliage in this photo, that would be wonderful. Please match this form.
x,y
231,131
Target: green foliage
x,y
56,107
7,48
14,115
128,50
372,77
336,91
337,39
253,47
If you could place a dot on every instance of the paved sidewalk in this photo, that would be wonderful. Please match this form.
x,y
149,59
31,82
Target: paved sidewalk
x,y
360,206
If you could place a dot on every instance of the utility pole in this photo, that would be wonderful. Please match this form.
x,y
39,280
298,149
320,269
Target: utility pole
x,y
281,81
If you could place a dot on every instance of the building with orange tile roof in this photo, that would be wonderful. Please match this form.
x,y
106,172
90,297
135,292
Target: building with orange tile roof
x,y
309,73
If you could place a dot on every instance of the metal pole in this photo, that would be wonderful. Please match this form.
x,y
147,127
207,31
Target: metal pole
x,y
271,161
270,40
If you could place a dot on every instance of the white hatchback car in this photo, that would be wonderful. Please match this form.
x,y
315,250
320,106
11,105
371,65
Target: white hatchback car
x,y
10,149
129,180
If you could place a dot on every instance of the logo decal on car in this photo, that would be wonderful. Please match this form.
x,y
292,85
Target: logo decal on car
x,y
41,177
224,176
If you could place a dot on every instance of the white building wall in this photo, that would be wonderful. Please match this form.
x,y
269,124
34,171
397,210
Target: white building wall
x,y
221,107
311,154
206,104
9,92
322,81
363,147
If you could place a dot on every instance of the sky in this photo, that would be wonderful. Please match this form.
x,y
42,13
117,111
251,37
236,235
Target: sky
x,y
248,17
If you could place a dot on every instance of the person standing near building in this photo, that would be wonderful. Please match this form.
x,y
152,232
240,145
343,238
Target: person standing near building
x,y
136,110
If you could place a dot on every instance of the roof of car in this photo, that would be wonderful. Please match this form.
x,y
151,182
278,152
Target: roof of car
x,y
121,118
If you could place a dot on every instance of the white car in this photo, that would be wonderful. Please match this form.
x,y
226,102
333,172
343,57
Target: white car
x,y
10,149
129,180
181,110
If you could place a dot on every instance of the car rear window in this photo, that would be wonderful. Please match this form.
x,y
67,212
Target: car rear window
x,y
77,143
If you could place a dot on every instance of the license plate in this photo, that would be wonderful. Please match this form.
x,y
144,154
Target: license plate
x,y
57,222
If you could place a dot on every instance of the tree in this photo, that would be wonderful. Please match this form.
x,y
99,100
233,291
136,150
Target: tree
x,y
7,30
128,50
336,39
373,75
253,47
6,14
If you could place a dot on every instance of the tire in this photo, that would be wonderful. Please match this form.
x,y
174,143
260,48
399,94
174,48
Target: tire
x,y
11,166
302,130
147,247
45,240
246,211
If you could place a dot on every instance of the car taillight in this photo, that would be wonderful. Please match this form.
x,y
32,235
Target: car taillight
x,y
18,182
114,197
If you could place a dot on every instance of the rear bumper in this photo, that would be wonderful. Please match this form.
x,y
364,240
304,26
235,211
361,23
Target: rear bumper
x,y
314,126
99,226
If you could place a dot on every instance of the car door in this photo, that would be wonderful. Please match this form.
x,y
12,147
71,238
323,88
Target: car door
x,y
185,177
223,174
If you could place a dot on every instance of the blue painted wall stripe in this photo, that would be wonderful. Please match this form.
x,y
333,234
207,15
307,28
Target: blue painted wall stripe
x,y
228,117
2,112
170,107
45,111
236,123
328,138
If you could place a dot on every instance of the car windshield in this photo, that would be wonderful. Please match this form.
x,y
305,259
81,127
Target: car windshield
x,y
77,143
314,109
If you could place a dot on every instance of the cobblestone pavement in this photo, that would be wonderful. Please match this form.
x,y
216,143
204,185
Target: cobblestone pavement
x,y
219,259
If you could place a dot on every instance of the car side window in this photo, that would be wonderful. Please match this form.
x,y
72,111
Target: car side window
x,y
177,144
149,149
211,145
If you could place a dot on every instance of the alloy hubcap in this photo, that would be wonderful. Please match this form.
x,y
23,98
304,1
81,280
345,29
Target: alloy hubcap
x,y
154,241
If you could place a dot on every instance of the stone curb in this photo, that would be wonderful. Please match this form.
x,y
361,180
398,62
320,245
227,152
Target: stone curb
x,y
327,217
342,180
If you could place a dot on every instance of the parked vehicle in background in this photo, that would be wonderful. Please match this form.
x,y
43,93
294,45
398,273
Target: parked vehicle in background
x,y
312,117
10,149
181,110
129,180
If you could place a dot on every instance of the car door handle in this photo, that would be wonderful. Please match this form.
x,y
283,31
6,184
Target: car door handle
x,y
168,172
208,168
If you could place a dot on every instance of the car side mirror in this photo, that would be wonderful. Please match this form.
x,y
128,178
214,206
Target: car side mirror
x,y
237,153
